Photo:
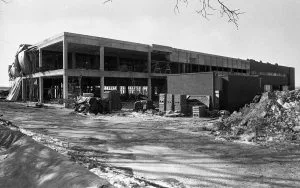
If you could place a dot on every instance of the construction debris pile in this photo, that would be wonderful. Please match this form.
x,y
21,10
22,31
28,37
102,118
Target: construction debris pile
x,y
275,117
92,105
89,104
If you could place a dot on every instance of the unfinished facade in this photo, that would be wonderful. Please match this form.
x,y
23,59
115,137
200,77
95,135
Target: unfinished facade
x,y
67,65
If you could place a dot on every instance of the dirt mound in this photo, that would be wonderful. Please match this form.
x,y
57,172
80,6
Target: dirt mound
x,y
276,117
26,163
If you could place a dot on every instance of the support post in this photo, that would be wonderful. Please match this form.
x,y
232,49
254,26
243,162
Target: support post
x,y
183,68
41,83
41,90
40,58
102,87
65,89
179,68
118,63
101,69
65,55
65,76
149,61
149,89
73,60
101,58
118,86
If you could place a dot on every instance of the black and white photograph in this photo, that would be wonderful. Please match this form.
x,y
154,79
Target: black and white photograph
x,y
149,93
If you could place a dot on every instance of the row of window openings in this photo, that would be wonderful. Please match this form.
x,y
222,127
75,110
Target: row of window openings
x,y
134,65
131,89
268,74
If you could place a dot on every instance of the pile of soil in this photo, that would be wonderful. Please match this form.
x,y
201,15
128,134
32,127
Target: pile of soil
x,y
275,117
26,163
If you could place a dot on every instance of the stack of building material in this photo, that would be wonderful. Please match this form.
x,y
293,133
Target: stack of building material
x,y
180,104
201,99
199,111
114,98
268,88
162,102
169,102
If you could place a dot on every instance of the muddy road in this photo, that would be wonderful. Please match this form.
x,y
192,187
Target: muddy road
x,y
169,152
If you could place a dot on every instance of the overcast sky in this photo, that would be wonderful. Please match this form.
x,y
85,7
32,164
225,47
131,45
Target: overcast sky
x,y
268,31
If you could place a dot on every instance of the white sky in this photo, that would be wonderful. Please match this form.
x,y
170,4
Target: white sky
x,y
268,31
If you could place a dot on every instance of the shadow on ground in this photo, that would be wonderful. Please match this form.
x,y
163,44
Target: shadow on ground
x,y
160,153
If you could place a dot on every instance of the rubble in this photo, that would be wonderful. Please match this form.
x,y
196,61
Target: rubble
x,y
274,118
92,105
143,105
89,104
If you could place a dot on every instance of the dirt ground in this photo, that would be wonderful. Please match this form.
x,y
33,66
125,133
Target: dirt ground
x,y
144,150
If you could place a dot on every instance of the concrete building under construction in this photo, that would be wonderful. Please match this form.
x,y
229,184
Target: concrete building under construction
x,y
67,65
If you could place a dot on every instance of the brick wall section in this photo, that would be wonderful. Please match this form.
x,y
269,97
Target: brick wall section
x,y
241,90
191,84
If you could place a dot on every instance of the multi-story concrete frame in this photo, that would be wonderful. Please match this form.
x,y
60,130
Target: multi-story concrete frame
x,y
111,62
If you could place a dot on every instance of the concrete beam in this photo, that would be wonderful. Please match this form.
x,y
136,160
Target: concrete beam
x,y
41,90
58,72
98,41
95,73
101,58
50,41
113,74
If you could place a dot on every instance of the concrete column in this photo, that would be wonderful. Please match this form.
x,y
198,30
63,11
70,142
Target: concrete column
x,y
65,89
102,87
65,76
41,90
40,58
126,91
80,84
65,55
149,61
73,60
101,58
183,68
118,86
118,63
149,89
23,89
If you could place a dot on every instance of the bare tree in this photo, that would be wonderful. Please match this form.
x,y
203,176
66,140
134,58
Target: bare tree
x,y
207,9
